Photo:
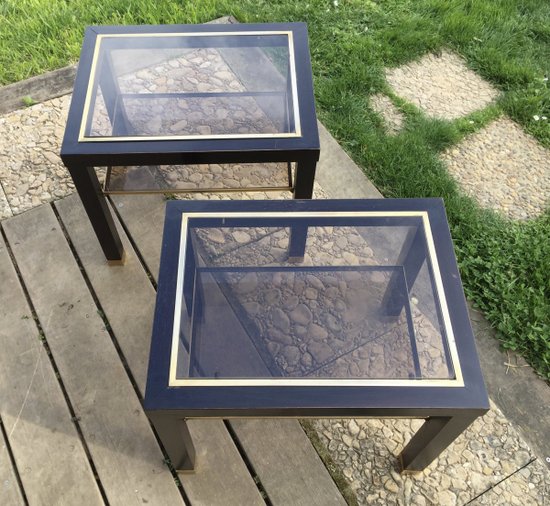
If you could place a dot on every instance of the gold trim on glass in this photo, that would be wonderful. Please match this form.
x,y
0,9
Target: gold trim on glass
x,y
93,69
442,300
321,382
173,381
201,190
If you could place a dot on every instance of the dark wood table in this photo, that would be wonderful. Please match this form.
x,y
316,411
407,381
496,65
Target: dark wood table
x,y
152,102
372,322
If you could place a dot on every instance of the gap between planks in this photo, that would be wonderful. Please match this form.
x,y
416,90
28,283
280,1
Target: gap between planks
x,y
127,297
122,445
38,416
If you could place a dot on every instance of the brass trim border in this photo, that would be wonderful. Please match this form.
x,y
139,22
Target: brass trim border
x,y
92,77
173,381
307,417
116,263
201,190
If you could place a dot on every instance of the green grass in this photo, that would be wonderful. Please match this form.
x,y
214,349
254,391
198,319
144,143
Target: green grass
x,y
39,35
504,265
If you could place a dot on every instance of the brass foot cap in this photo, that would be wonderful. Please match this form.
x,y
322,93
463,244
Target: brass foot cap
x,y
121,261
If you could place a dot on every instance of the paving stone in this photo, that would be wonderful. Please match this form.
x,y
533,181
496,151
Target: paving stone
x,y
487,455
442,86
30,167
528,487
503,168
392,116
5,210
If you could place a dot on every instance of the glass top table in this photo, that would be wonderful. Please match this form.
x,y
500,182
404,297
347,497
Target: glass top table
x,y
312,308
190,108
228,84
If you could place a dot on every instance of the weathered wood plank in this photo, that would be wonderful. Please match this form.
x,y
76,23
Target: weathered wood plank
x,y
125,293
302,478
122,445
39,88
9,488
218,459
338,174
52,463
144,212
127,297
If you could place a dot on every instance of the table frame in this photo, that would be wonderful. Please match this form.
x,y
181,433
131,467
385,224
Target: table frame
x,y
448,410
80,157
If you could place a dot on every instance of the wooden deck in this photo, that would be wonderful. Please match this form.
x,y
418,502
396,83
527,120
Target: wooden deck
x,y
75,337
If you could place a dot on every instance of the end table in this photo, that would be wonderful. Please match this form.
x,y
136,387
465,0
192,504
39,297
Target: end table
x,y
148,98
372,322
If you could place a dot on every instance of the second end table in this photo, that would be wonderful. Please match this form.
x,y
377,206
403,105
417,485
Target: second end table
x,y
189,94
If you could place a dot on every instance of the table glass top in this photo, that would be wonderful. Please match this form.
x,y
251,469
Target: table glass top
x,y
311,298
211,85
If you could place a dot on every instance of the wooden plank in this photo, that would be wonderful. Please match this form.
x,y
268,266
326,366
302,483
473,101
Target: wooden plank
x,y
119,437
36,417
39,88
271,443
127,297
10,492
125,293
302,475
338,174
218,459
144,212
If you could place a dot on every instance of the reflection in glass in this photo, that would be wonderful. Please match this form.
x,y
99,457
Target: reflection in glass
x,y
190,85
199,177
362,304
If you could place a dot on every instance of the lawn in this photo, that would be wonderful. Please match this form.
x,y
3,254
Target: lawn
x,y
505,265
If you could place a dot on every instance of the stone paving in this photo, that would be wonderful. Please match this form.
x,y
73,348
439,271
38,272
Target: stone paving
x,y
490,463
393,118
503,168
487,455
31,171
500,166
5,210
442,86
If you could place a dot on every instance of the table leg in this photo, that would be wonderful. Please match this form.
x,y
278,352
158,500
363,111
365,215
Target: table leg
x,y
176,439
95,204
297,243
189,275
303,189
412,257
433,437
305,176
